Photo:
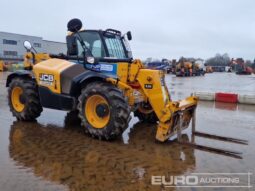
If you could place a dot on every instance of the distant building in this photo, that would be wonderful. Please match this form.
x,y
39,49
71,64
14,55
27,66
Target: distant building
x,y
12,49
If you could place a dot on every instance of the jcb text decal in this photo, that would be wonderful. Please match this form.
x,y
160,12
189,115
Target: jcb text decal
x,y
46,79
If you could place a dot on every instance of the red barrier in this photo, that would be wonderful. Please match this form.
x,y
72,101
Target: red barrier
x,y
226,97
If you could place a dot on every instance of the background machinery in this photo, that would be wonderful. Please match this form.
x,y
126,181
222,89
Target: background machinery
x,y
238,65
2,66
208,69
188,68
163,65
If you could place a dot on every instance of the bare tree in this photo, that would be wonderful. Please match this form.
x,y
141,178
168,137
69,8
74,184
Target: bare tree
x,y
218,60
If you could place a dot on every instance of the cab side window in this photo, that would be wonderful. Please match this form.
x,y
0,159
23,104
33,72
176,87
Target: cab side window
x,y
97,49
93,42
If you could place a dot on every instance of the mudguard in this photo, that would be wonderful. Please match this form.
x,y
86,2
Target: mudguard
x,y
19,73
80,81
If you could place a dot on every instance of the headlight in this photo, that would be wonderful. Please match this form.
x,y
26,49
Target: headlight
x,y
91,60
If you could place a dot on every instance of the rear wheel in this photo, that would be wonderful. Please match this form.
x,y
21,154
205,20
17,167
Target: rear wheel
x,y
103,110
23,99
146,113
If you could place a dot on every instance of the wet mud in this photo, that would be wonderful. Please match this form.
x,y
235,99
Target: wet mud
x,y
53,153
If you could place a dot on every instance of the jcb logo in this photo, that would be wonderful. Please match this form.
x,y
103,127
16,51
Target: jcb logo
x,y
46,77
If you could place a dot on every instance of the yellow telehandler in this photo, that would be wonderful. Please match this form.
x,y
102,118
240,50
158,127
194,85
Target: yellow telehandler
x,y
2,66
101,81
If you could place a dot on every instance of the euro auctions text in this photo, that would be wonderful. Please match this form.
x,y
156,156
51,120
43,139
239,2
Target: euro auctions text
x,y
233,180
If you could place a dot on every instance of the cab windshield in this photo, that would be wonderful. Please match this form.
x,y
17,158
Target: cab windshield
x,y
113,48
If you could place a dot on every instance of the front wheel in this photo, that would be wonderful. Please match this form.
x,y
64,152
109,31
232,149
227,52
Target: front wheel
x,y
103,110
23,99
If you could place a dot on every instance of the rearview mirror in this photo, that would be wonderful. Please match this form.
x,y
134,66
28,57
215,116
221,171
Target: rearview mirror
x,y
27,45
72,47
129,35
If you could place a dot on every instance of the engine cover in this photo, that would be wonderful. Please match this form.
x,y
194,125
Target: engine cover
x,y
48,73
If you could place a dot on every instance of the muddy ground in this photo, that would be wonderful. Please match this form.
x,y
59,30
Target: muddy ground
x,y
54,154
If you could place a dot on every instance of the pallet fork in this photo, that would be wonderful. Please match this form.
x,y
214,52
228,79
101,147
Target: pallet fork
x,y
230,153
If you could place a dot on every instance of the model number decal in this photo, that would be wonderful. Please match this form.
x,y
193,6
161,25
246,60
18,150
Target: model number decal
x,y
148,86
106,67
46,79
101,67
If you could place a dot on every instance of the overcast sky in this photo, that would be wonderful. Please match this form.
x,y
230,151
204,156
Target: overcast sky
x,y
160,28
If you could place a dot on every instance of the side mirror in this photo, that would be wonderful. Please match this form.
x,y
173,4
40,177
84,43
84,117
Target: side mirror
x,y
72,46
129,35
27,45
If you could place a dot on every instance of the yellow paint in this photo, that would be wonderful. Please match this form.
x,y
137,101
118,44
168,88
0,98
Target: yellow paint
x,y
168,129
51,67
157,96
188,102
162,131
1,66
122,71
134,69
161,103
91,114
39,57
119,84
15,98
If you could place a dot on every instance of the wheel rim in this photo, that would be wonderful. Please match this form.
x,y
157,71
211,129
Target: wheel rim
x,y
97,111
16,99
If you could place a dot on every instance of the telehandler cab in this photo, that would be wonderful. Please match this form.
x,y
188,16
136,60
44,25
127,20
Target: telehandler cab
x,y
99,78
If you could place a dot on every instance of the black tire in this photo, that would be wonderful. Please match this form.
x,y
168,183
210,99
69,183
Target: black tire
x,y
148,117
72,119
119,110
32,105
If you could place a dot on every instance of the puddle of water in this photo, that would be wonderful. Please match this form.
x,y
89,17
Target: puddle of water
x,y
214,82
54,154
